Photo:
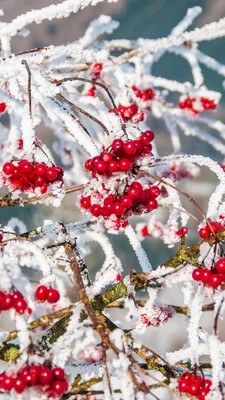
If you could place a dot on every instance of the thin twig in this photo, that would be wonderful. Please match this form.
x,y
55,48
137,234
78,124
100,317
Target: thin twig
x,y
29,86
82,111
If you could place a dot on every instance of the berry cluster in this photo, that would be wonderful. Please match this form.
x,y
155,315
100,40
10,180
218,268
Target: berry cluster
x,y
194,385
130,198
51,380
131,113
135,200
190,104
14,300
42,293
122,157
208,230
25,175
96,70
211,278
144,95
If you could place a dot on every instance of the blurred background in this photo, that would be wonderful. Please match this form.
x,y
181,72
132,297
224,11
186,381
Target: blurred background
x,y
138,18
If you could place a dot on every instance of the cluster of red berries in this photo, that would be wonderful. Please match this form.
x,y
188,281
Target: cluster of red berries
x,y
208,229
51,380
14,300
26,175
189,103
194,385
2,107
95,74
144,95
131,113
122,157
211,278
43,293
135,200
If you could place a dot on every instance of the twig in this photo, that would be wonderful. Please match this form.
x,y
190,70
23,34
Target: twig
x,y
64,100
29,86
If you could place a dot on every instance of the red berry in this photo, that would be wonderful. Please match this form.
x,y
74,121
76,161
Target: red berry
x,y
202,394
144,197
193,388
46,376
118,209
139,146
97,68
19,385
59,387
107,157
152,205
182,105
126,201
197,274
91,92
41,293
196,379
184,231
145,139
40,169
25,180
130,148
20,306
88,165
183,386
125,165
30,379
85,202
135,190
147,149
2,107
220,265
204,232
17,295
95,210
8,302
144,97
26,167
149,134
7,383
207,383
39,181
8,168
144,231
113,166
186,376
24,372
109,199
53,296
131,110
154,191
58,373
36,370
101,166
215,281
205,276
51,173
117,146
16,174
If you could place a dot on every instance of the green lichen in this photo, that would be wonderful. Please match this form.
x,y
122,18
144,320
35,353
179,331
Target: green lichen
x,y
9,352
